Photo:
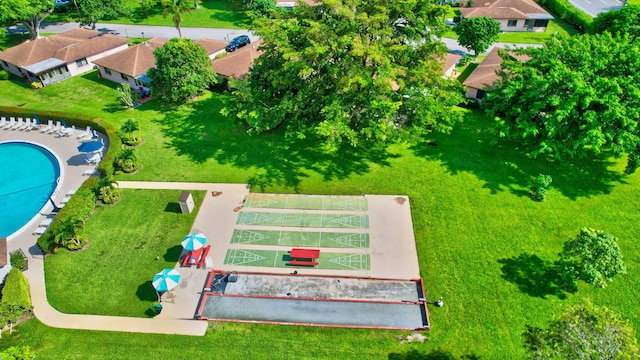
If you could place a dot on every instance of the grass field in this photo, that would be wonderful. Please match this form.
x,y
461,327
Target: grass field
x,y
483,244
119,247
301,238
211,13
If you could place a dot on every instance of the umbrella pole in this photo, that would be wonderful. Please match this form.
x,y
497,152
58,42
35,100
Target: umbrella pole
x,y
158,293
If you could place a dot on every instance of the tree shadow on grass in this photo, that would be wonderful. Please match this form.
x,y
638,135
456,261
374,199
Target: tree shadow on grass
x,y
437,354
504,165
535,276
173,254
146,292
199,132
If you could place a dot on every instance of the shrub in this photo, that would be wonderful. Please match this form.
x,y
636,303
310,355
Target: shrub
x,y
4,75
541,183
18,260
126,95
16,290
36,85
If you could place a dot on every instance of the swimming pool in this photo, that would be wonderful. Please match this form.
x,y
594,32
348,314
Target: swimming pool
x,y
28,178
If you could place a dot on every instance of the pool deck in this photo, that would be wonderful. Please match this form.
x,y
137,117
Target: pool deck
x,y
393,251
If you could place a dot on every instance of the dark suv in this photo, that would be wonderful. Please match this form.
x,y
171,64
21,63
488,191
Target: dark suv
x,y
238,42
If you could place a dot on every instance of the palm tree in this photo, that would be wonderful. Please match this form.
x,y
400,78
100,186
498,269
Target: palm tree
x,y
176,8
66,233
128,128
127,160
106,189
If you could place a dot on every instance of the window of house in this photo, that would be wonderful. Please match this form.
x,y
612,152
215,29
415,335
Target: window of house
x,y
512,23
540,23
81,62
480,94
107,71
124,77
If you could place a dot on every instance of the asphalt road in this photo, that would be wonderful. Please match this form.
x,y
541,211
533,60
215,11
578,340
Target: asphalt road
x,y
594,7
169,32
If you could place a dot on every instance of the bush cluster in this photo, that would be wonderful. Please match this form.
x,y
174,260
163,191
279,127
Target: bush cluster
x,y
4,75
569,13
16,299
18,260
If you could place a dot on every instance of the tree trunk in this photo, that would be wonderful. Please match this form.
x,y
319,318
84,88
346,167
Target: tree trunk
x,y
195,4
33,24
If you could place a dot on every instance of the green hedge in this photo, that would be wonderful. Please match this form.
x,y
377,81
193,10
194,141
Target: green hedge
x,y
81,205
16,290
569,13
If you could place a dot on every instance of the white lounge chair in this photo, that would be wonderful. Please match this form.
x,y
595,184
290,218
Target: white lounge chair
x,y
3,122
90,172
55,128
68,131
46,222
18,124
11,123
86,133
26,124
32,125
39,230
48,127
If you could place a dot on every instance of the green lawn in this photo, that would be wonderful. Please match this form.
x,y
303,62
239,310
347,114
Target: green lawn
x,y
118,265
482,242
212,13
556,27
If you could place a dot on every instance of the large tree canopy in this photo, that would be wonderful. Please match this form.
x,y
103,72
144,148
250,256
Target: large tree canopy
x,y
575,96
623,21
477,33
584,331
28,12
91,11
350,70
183,70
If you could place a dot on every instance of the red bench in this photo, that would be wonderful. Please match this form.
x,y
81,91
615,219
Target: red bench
x,y
204,256
303,262
196,257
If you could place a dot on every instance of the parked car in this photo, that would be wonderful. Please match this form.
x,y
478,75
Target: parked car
x,y
62,2
238,42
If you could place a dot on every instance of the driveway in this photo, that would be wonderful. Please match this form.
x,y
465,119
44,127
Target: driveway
x,y
594,7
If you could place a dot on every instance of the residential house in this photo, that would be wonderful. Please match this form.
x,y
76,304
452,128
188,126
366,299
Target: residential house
x,y
237,63
513,15
486,74
51,59
449,64
289,4
131,65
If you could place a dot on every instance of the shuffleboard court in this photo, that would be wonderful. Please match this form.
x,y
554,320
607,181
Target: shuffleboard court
x,y
306,202
301,238
276,258
355,221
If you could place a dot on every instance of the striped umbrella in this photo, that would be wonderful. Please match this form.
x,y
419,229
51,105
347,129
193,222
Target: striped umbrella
x,y
194,241
166,280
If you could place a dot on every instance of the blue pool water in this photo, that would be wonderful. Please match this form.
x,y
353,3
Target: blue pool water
x,y
28,177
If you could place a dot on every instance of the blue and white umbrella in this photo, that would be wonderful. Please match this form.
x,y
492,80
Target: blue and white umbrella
x,y
91,146
194,241
166,280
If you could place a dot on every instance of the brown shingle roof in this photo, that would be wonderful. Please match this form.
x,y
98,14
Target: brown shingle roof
x,y
135,60
69,46
449,61
503,9
485,74
237,63
212,46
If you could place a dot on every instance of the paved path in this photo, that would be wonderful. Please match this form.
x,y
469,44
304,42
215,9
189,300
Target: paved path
x,y
210,33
